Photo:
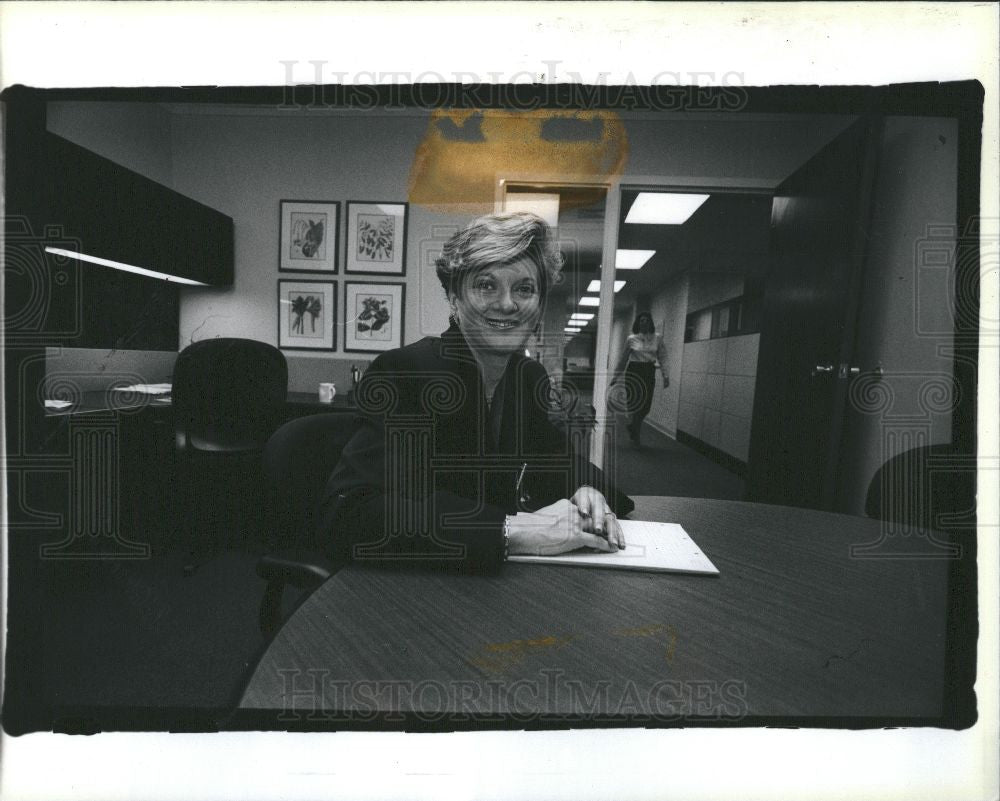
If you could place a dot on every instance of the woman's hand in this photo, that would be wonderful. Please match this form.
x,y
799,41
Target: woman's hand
x,y
554,529
602,521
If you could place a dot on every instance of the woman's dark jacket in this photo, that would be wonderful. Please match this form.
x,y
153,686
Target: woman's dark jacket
x,y
424,477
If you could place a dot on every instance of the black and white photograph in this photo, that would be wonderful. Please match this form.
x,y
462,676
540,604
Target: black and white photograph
x,y
309,232
644,444
376,238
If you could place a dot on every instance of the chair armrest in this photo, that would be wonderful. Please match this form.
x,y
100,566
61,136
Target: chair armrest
x,y
301,569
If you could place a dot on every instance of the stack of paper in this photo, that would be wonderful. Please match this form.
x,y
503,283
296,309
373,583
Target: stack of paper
x,y
664,547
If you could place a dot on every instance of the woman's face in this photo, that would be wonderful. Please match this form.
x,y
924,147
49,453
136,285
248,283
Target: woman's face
x,y
645,325
498,307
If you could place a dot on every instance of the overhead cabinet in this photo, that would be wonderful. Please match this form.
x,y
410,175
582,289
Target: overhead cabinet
x,y
117,215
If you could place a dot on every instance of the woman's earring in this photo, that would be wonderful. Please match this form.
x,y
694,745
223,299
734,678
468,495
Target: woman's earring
x,y
453,317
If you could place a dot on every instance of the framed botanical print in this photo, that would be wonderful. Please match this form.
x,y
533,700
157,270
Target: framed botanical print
x,y
376,238
309,231
307,315
373,316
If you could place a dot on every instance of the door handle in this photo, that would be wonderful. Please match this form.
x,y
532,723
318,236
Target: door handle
x,y
822,368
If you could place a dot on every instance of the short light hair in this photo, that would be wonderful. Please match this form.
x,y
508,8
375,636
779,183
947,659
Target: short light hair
x,y
499,239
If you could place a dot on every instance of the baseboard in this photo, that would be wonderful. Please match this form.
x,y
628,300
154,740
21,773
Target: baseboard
x,y
659,429
720,457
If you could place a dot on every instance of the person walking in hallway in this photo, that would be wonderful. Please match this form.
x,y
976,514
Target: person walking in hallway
x,y
644,349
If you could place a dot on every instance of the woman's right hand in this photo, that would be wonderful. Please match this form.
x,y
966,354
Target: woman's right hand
x,y
552,530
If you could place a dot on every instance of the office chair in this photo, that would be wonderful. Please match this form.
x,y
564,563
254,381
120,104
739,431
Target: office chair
x,y
228,398
298,460
927,487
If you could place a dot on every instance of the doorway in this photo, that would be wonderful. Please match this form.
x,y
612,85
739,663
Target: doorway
x,y
680,403
567,343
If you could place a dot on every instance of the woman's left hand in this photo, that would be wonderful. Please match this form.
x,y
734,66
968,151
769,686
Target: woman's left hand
x,y
602,521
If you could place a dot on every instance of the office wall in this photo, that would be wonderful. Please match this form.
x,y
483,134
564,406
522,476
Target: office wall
x,y
669,309
718,375
244,165
135,135
708,288
717,389
243,161
906,321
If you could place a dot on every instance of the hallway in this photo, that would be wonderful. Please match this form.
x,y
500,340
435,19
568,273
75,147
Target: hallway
x,y
663,466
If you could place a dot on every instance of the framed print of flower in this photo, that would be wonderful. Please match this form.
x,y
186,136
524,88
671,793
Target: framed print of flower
x,y
376,238
309,230
373,316
307,315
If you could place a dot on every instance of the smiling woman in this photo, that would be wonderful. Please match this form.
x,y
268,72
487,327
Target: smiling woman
x,y
456,459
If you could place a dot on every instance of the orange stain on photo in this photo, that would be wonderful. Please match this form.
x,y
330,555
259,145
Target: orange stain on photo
x,y
463,152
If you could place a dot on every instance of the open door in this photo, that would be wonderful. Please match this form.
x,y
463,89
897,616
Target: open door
x,y
819,224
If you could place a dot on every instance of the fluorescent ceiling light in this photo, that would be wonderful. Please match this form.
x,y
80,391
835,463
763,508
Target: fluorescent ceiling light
x,y
589,300
581,316
663,208
595,286
128,268
571,329
632,259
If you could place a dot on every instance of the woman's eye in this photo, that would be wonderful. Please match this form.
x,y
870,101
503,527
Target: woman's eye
x,y
526,289
484,286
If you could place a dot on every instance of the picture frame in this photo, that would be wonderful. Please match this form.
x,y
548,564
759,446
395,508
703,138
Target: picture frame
x,y
309,236
307,315
376,238
374,316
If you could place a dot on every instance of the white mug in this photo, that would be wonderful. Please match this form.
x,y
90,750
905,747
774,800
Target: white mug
x,y
327,392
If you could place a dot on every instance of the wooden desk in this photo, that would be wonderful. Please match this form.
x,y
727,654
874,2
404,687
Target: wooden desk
x,y
793,630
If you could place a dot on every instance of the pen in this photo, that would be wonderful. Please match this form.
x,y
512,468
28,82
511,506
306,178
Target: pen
x,y
517,486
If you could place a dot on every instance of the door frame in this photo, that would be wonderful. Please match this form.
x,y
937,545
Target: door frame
x,y
614,185
606,294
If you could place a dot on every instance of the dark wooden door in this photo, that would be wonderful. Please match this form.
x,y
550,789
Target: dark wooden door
x,y
819,224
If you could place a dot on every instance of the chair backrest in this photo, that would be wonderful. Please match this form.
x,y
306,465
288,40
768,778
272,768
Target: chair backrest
x,y
928,487
298,460
229,389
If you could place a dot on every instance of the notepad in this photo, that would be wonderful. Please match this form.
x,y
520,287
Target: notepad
x,y
661,547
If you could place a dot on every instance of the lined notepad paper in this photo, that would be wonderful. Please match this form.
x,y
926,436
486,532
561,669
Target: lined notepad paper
x,y
662,547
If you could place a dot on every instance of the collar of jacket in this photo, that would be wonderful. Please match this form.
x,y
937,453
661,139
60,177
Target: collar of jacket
x,y
452,345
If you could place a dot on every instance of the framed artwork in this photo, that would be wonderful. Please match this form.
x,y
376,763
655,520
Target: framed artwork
x,y
373,316
307,312
309,231
376,238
